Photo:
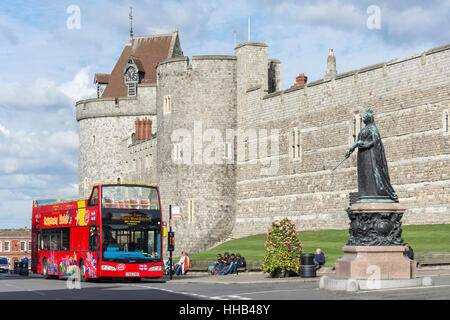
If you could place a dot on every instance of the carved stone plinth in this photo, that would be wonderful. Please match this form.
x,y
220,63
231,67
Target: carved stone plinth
x,y
375,263
375,224
375,248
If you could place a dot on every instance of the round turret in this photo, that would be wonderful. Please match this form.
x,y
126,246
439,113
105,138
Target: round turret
x,y
196,105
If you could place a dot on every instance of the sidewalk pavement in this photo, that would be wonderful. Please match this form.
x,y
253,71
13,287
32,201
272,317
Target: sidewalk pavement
x,y
261,278
241,278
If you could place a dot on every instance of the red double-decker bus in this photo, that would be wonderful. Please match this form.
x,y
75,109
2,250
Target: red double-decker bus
x,y
116,232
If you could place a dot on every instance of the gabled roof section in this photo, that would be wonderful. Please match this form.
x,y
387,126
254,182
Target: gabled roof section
x,y
101,78
147,52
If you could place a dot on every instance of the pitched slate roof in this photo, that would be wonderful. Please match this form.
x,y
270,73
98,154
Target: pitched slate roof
x,y
148,51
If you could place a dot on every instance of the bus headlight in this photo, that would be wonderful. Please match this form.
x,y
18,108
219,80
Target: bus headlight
x,y
108,268
155,268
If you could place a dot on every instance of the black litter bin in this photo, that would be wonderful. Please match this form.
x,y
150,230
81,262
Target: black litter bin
x,y
16,267
307,268
24,268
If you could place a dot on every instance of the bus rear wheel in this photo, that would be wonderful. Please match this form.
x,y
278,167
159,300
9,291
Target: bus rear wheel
x,y
82,272
45,269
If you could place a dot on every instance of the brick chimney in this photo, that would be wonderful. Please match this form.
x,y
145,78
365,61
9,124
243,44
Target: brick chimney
x,y
148,130
139,129
147,124
300,80
142,130
136,129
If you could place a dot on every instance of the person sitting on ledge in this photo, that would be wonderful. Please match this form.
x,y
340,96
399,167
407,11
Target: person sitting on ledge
x,y
231,266
409,251
240,261
319,259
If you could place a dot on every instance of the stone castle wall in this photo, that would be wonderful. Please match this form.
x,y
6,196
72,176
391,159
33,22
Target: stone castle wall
x,y
203,97
409,96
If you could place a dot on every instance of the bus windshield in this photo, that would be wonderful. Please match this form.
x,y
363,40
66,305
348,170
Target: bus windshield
x,y
131,224
123,243
130,196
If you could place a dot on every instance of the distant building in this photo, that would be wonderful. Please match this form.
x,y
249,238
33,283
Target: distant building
x,y
15,245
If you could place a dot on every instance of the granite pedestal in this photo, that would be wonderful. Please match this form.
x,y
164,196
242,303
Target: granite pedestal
x,y
374,256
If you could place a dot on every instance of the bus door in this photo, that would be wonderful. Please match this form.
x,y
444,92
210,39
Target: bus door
x,y
92,256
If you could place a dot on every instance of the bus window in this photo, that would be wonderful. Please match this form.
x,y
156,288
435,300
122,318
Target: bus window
x,y
92,238
45,240
93,200
55,240
154,200
65,239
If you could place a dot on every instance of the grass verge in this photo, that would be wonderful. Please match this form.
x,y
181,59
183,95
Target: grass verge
x,y
422,238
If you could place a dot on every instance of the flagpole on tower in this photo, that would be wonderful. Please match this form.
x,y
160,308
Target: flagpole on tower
x,y
131,22
248,28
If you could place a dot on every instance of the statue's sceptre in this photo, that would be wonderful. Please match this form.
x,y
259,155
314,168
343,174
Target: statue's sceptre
x,y
346,156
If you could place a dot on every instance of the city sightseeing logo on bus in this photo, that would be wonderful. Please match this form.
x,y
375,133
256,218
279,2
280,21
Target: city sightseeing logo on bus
x,y
54,221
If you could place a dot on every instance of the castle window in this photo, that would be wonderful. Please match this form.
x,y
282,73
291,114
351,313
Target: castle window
x,y
294,144
191,210
1,246
177,152
356,124
86,185
93,140
227,151
167,104
23,246
445,122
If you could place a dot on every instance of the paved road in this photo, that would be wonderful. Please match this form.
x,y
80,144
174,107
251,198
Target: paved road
x,y
244,287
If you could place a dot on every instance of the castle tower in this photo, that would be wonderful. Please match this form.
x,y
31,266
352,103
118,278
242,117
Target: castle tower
x,y
106,124
252,69
196,104
274,83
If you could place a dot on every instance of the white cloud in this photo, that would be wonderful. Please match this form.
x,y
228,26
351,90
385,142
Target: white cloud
x,y
4,131
80,87
46,92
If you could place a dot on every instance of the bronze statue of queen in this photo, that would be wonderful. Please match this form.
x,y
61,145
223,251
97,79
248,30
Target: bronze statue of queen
x,y
374,184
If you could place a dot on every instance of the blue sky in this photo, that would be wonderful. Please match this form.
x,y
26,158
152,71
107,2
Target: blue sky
x,y
46,67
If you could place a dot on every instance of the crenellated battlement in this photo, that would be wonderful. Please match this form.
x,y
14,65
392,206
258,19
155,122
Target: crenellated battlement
x,y
120,106
206,63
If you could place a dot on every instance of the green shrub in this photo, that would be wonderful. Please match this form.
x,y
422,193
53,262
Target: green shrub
x,y
283,248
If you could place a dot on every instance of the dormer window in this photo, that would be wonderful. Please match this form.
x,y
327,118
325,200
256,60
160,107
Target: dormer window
x,y
101,80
